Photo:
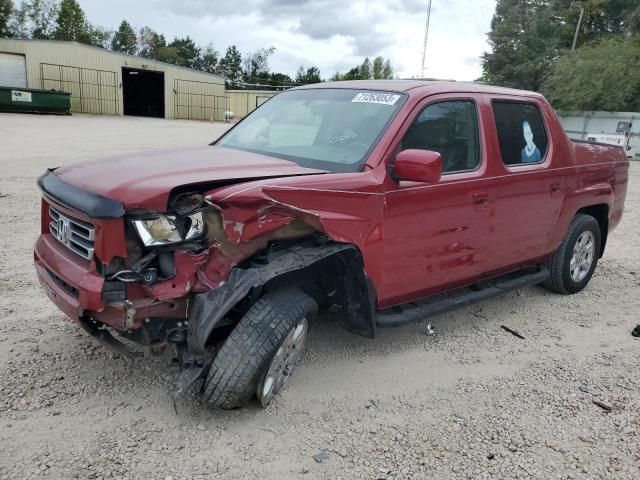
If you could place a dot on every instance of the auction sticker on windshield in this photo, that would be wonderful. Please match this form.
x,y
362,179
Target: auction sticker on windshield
x,y
372,97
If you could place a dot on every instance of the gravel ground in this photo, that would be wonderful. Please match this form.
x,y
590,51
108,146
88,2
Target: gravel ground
x,y
470,402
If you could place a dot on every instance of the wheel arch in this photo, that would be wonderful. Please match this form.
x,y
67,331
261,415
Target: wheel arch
x,y
600,212
310,267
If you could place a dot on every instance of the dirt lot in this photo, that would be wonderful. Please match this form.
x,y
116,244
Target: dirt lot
x,y
471,401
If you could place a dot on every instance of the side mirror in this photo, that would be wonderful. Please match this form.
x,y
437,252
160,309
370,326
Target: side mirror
x,y
418,166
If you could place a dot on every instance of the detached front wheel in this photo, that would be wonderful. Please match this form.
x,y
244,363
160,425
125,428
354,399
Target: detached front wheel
x,y
262,351
573,264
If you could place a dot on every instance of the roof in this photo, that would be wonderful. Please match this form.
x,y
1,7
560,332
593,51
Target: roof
x,y
110,52
421,86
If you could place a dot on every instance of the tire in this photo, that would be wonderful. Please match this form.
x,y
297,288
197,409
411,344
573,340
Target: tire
x,y
246,355
560,265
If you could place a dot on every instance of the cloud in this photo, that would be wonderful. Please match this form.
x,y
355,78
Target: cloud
x,y
332,34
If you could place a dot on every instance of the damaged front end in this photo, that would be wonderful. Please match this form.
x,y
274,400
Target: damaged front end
x,y
191,273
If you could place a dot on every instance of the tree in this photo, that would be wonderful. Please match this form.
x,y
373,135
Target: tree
x,y
603,18
150,42
310,75
525,36
124,39
378,69
353,74
100,37
188,52
35,19
6,12
364,70
230,66
381,69
72,24
255,65
605,76
208,61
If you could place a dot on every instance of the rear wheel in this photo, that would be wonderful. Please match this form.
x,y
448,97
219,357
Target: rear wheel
x,y
262,351
572,265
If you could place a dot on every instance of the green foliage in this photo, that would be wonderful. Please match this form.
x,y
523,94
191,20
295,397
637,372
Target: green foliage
x,y
208,61
35,19
125,39
255,65
307,76
605,76
66,21
150,42
99,36
607,17
365,69
6,13
353,74
183,52
525,36
230,66
72,24
528,35
379,69
280,80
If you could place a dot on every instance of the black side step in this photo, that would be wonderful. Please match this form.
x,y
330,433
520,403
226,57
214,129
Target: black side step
x,y
395,316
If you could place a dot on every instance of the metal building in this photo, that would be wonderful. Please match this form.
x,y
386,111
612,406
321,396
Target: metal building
x,y
104,82
617,128
243,102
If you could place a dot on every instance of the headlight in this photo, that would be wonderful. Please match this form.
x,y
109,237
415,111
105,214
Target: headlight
x,y
167,229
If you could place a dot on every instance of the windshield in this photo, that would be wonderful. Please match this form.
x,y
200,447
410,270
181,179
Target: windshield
x,y
328,129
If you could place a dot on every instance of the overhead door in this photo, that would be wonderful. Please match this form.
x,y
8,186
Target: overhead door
x,y
92,91
13,70
195,100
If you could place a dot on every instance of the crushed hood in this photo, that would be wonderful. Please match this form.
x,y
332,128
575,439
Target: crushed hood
x,y
145,180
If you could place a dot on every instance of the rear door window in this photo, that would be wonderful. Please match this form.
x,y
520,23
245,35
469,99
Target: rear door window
x,y
521,133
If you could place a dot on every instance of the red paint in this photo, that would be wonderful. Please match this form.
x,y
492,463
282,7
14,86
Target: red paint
x,y
418,166
415,238
145,180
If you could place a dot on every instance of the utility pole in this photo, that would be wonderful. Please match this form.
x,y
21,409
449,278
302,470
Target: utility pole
x,y
426,35
575,36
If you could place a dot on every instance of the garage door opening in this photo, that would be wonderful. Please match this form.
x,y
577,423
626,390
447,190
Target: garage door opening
x,y
143,92
13,70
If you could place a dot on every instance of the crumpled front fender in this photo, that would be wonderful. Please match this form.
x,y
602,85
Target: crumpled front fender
x,y
210,307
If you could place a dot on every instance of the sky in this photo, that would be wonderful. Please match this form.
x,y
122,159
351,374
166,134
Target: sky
x,y
334,35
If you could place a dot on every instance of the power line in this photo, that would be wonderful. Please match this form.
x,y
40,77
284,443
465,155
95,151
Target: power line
x,y
245,84
276,82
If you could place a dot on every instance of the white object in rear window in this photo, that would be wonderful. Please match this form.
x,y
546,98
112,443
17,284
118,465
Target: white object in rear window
x,y
371,97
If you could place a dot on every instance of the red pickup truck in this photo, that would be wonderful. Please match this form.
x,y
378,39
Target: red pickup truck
x,y
388,201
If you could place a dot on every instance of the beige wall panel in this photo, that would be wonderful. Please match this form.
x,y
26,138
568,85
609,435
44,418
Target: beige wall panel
x,y
98,87
243,102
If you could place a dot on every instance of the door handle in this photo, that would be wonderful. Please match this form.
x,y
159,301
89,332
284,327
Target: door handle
x,y
481,200
555,188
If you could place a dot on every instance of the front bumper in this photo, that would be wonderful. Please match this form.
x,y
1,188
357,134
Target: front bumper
x,y
66,278
75,287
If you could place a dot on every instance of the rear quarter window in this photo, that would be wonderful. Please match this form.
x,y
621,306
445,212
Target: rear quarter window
x,y
521,132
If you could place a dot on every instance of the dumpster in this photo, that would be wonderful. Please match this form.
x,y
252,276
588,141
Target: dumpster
x,y
32,100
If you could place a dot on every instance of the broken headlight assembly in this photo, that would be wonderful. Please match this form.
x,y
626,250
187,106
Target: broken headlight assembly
x,y
163,230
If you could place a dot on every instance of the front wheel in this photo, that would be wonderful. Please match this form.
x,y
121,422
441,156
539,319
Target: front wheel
x,y
262,351
572,265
